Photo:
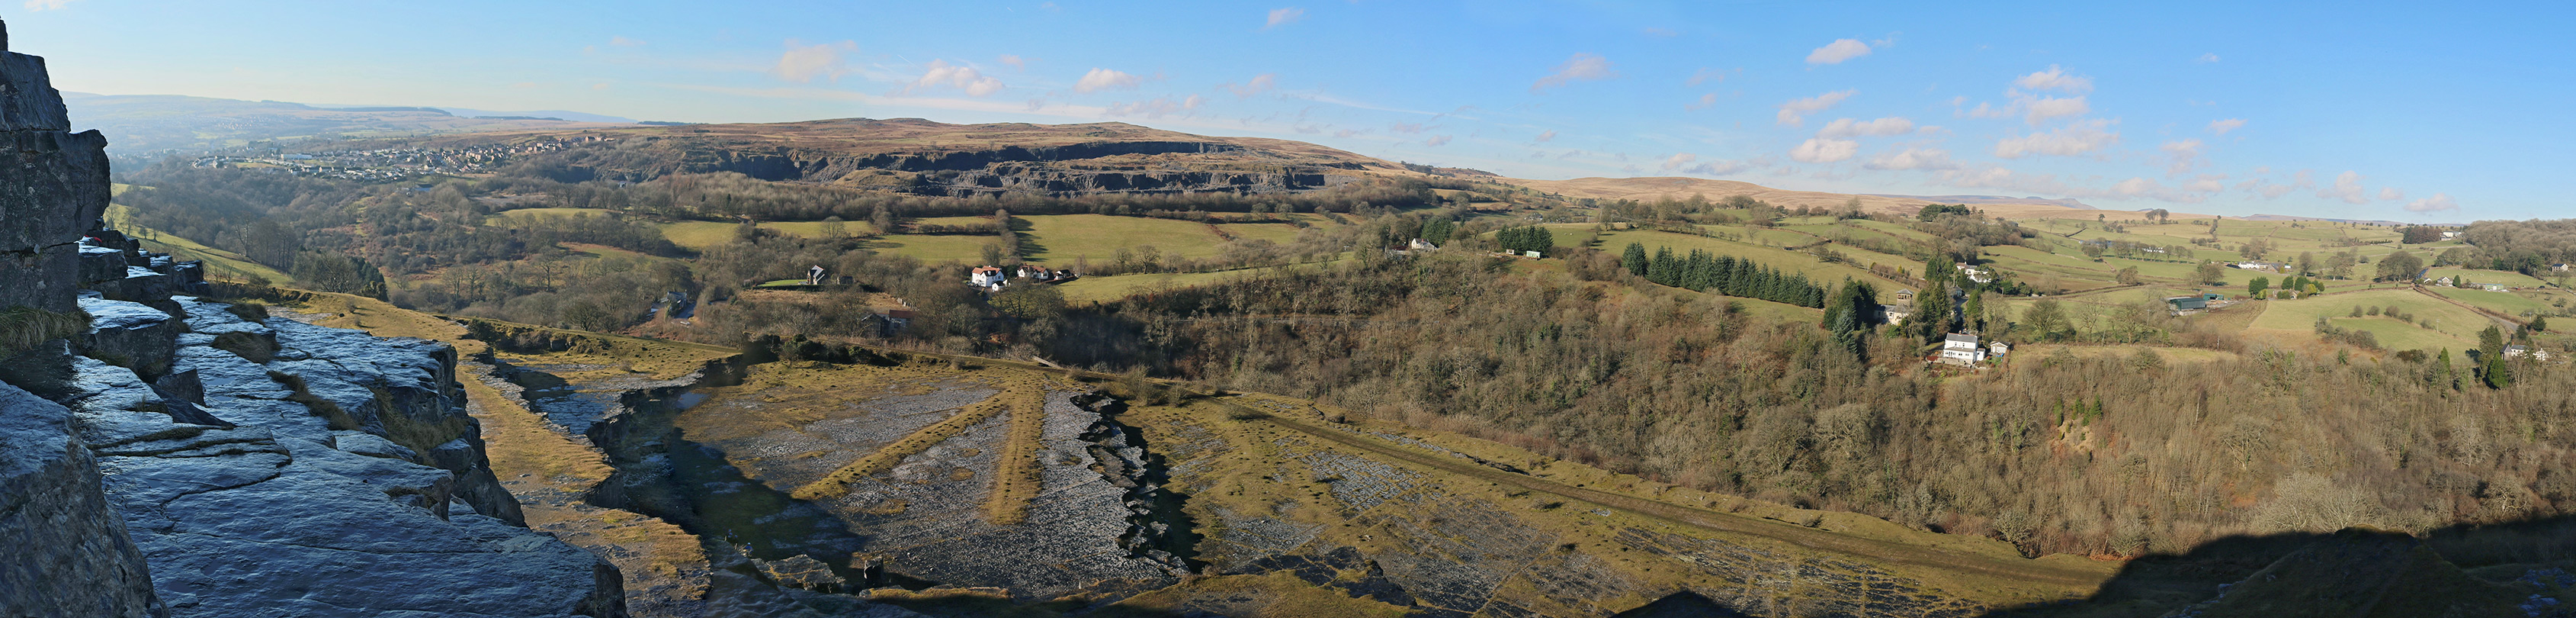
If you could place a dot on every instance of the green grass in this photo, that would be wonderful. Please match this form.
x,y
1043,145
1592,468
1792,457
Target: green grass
x,y
2508,303
219,263
2452,326
2506,277
704,234
1784,260
1058,239
934,249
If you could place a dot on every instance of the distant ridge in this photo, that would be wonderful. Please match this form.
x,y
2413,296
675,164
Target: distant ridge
x,y
1988,199
2363,221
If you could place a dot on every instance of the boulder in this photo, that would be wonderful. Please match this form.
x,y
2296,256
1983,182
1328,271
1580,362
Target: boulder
x,y
130,334
71,555
100,264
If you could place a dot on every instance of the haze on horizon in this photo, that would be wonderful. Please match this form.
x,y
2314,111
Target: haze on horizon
x,y
2403,112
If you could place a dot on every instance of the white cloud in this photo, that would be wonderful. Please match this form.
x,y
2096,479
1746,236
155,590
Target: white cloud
x,y
1794,113
2056,79
2185,154
46,5
2136,186
1705,100
1547,135
1822,150
614,40
803,63
1346,132
1105,79
1580,67
1706,75
2221,127
1259,84
1157,107
1436,140
1838,51
2207,183
2391,194
1846,127
1282,17
2209,57
1912,159
2439,201
2347,187
2043,108
1688,163
1405,127
940,73
2073,139
1017,63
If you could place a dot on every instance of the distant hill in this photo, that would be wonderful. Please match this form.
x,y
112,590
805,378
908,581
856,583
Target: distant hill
x,y
1654,188
148,126
2361,221
918,156
1990,199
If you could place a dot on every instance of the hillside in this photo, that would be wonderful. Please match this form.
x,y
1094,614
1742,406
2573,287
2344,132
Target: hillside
x,y
1645,189
148,125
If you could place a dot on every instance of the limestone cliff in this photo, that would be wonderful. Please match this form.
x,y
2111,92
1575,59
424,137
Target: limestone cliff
x,y
179,457
74,557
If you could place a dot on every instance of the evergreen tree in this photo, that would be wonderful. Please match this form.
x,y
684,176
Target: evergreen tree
x,y
1634,259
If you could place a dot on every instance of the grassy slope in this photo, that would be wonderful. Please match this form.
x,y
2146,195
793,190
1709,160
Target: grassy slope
x,y
2452,326
219,263
1061,238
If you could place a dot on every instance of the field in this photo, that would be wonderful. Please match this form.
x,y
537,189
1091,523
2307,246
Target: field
x,y
1114,287
1060,239
2437,324
1784,260
704,234
933,249
2480,277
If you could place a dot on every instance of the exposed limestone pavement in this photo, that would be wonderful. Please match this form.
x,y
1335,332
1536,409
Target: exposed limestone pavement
x,y
175,458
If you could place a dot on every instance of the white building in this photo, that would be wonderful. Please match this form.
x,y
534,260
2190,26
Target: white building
x,y
2516,351
986,276
1962,348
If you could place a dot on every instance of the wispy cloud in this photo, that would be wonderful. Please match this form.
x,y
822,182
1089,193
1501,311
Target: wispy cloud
x,y
1704,102
1794,113
1436,140
1822,150
621,41
2067,141
2221,127
1544,136
1017,63
2055,79
940,73
1583,67
1846,127
46,5
1257,85
2439,202
1838,51
1912,159
1157,107
2184,156
803,63
1106,79
1282,17
2208,57
2346,187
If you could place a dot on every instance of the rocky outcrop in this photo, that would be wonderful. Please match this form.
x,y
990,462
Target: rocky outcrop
x,y
174,458
74,557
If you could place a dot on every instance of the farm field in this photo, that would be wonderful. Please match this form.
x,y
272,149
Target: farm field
x,y
1059,239
2519,303
2437,324
933,248
1114,287
704,234
2476,276
1786,261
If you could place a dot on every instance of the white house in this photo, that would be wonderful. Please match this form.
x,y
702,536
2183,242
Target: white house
x,y
2450,234
1420,245
1976,274
1999,349
986,276
1962,348
2516,351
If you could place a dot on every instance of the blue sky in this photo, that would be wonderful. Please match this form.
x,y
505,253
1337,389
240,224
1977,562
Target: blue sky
x,y
2406,111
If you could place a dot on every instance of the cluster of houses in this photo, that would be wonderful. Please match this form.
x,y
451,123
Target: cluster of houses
x,y
2449,282
994,278
389,163
1978,274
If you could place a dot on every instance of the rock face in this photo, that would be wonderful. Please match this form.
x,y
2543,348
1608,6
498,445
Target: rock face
x,y
74,556
176,459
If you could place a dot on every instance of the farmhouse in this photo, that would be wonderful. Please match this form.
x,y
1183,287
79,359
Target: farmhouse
x,y
2520,351
986,277
1961,348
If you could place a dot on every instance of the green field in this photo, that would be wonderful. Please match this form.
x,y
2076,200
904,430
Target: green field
x,y
1787,261
1058,239
1099,289
2506,277
2524,303
704,234
2450,326
933,249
